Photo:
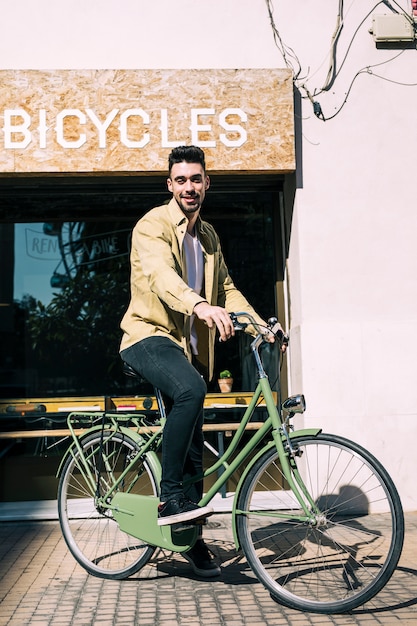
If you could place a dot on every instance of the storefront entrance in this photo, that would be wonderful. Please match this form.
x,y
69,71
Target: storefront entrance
x,y
85,154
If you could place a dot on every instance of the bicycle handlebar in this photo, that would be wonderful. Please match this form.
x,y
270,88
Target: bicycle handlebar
x,y
272,326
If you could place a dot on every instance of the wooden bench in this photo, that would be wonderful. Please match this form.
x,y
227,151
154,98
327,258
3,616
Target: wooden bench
x,y
41,406
65,432
50,408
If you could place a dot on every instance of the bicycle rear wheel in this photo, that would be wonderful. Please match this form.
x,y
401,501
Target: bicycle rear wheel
x,y
91,533
351,550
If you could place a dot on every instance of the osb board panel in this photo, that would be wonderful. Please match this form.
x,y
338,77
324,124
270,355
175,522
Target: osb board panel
x,y
128,121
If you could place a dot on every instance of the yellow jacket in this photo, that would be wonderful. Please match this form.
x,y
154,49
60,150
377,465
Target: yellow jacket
x,y
161,301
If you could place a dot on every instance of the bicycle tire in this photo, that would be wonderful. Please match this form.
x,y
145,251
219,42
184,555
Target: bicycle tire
x,y
349,556
91,534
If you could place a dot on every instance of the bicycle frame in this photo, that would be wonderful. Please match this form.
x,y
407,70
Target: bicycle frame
x,y
122,504
273,425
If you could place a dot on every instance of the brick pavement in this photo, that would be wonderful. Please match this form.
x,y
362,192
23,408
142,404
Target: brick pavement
x,y
42,585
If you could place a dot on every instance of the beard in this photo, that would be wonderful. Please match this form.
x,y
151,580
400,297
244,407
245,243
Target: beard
x,y
189,207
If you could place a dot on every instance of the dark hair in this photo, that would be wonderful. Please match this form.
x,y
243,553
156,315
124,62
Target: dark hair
x,y
189,154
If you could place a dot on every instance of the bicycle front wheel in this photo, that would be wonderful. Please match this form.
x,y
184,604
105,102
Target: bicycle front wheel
x,y
347,553
91,533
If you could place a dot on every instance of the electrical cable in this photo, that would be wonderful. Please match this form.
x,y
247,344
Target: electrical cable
x,y
286,51
395,82
332,73
339,26
400,12
351,43
310,76
367,70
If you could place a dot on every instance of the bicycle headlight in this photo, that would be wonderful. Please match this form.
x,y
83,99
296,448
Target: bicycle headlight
x,y
295,404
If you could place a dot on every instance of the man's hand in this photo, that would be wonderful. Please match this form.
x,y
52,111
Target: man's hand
x,y
215,315
270,337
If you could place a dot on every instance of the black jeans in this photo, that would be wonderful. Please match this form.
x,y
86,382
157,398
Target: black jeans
x,y
163,363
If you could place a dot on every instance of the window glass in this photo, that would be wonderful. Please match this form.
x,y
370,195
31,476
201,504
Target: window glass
x,y
64,285
70,285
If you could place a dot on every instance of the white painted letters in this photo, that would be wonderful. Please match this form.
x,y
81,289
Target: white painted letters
x,y
102,126
165,143
136,128
60,135
42,128
12,129
197,128
123,127
233,128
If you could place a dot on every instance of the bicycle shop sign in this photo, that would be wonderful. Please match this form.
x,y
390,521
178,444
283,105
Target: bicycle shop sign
x,y
19,126
126,120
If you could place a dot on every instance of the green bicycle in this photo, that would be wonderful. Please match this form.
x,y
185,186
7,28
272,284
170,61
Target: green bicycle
x,y
317,517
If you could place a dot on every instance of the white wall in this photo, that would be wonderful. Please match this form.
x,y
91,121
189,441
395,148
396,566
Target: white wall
x,y
131,34
353,264
353,249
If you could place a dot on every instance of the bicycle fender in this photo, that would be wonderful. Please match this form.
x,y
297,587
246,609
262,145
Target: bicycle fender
x,y
310,432
126,431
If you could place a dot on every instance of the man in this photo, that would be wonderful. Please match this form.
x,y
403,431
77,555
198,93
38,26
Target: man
x,y
181,293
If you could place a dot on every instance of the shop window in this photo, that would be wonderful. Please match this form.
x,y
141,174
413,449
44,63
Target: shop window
x,y
64,283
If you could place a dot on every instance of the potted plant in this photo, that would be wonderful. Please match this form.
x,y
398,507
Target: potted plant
x,y
225,381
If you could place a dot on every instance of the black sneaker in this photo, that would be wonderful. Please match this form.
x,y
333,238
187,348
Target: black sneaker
x,y
201,560
179,510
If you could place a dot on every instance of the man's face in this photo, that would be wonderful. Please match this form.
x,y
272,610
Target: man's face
x,y
188,184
